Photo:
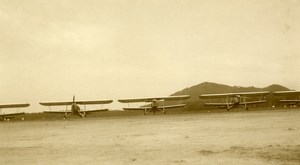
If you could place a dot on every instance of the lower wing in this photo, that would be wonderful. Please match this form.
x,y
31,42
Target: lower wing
x,y
241,103
218,104
62,112
159,107
139,108
253,102
95,110
172,106
290,101
12,114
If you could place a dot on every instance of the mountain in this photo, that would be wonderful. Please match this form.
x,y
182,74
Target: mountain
x,y
276,87
195,103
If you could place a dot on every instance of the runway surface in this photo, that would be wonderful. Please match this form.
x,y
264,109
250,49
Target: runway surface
x,y
251,138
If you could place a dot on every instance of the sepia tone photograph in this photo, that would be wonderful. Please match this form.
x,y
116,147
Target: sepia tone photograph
x,y
143,82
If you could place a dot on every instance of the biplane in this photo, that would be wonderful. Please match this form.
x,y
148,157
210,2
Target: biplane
x,y
75,109
5,116
155,103
291,97
235,99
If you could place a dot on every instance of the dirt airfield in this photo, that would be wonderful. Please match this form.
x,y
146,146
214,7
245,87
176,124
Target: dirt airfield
x,y
244,137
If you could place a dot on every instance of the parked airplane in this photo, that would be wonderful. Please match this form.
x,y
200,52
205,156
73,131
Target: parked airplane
x,y
75,109
289,94
235,99
154,103
4,116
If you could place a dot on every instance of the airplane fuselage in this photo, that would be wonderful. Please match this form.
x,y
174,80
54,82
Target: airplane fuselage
x,y
154,107
235,100
76,110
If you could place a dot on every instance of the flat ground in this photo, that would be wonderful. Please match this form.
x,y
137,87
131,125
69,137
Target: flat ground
x,y
253,138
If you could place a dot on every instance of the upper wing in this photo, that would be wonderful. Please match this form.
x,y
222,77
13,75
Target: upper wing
x,y
150,99
55,103
77,102
14,105
94,102
281,93
220,95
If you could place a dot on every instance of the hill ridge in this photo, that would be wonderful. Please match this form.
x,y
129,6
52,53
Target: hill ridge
x,y
211,88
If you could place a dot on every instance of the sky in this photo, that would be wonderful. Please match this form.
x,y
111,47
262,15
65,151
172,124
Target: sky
x,y
112,49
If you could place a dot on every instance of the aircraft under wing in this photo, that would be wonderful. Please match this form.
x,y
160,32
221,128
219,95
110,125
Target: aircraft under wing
x,y
150,99
159,107
77,102
75,108
6,115
242,94
290,94
235,99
